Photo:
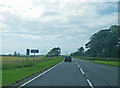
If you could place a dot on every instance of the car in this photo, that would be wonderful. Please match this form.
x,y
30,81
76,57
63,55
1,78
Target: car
x,y
67,58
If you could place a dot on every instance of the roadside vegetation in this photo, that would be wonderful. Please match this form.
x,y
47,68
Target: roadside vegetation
x,y
106,61
16,68
103,47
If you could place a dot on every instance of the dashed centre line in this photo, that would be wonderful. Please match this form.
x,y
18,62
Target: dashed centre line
x,y
78,65
90,84
82,71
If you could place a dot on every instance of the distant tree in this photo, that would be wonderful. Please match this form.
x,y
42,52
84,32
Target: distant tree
x,y
9,54
54,52
15,53
18,53
80,52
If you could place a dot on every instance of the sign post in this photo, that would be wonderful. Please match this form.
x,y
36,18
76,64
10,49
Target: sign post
x,y
34,57
27,54
34,51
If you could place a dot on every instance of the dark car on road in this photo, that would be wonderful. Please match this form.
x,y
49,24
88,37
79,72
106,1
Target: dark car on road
x,y
68,58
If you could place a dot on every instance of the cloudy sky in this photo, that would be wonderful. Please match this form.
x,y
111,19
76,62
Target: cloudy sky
x,y
44,24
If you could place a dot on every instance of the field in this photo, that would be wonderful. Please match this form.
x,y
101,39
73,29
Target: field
x,y
16,68
107,61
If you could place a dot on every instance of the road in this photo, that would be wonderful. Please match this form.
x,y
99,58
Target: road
x,y
77,73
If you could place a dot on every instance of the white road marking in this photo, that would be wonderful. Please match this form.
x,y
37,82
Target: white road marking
x,y
90,83
82,71
78,65
39,75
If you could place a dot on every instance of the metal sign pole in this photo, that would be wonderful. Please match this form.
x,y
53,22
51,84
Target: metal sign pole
x,y
34,57
27,54
34,51
26,58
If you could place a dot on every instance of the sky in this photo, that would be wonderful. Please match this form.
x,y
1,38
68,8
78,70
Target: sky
x,y
45,24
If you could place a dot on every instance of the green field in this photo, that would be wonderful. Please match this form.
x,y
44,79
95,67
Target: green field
x,y
107,61
16,68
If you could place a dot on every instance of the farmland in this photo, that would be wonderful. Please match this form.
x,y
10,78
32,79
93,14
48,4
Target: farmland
x,y
16,68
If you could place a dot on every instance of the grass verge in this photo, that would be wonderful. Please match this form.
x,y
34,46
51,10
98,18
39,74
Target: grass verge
x,y
113,63
105,61
13,75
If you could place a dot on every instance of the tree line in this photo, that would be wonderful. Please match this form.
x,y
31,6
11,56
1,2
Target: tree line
x,y
54,52
104,43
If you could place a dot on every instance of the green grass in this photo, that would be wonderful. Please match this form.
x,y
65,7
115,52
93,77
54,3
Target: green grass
x,y
13,74
98,58
113,63
106,61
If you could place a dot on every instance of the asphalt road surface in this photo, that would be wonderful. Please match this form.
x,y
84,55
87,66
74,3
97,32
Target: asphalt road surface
x,y
77,73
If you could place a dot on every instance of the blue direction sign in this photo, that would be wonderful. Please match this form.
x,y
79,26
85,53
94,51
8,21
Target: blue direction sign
x,y
34,51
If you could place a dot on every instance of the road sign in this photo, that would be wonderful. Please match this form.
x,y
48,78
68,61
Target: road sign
x,y
28,52
34,51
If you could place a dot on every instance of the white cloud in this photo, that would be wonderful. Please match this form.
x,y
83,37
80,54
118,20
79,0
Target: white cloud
x,y
29,36
70,37
103,20
3,25
52,1
2,19
74,29
106,5
23,30
75,37
54,22
33,9
22,8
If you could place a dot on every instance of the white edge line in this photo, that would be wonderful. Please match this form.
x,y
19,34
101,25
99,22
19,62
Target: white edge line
x,y
76,63
90,83
82,71
39,75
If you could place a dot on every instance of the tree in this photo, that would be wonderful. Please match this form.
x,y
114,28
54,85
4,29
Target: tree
x,y
15,53
118,45
54,52
18,53
103,43
80,52
96,44
9,54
